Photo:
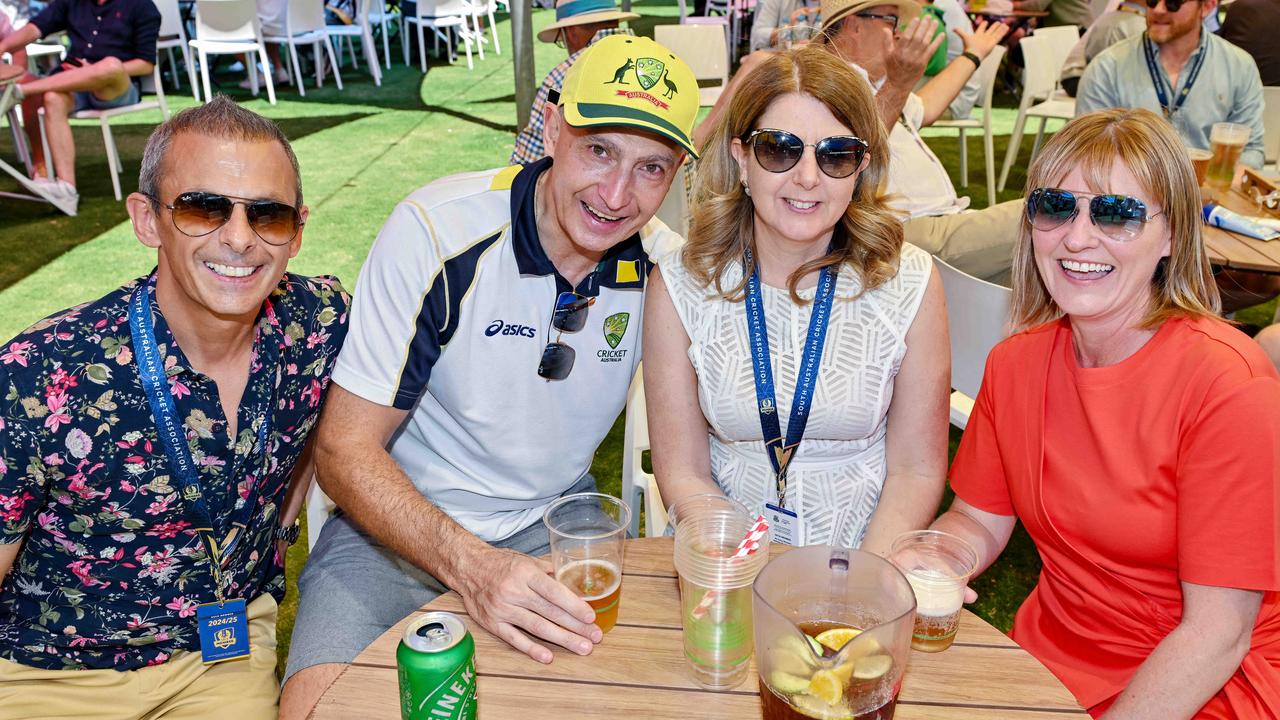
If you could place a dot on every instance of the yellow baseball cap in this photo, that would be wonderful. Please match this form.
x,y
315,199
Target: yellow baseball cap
x,y
633,82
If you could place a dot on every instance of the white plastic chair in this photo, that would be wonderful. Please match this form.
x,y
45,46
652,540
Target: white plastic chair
x,y
104,119
381,14
319,508
441,16
721,21
304,25
1039,87
1271,129
702,48
987,75
173,34
485,8
361,29
639,488
230,27
978,318
674,211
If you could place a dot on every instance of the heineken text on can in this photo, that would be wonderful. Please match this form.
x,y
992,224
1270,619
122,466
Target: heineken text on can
x,y
437,667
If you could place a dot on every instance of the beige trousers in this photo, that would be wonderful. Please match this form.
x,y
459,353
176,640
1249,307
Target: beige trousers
x,y
978,242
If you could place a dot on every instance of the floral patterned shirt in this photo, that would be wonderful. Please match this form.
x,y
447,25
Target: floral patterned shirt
x,y
111,572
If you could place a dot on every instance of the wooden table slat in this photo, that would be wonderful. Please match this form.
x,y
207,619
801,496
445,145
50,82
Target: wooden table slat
x,y
1237,251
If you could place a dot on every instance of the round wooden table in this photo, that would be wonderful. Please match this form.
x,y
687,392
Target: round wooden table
x,y
1237,252
639,670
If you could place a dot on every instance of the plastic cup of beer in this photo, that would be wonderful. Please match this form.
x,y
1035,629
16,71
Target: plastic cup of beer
x,y
1200,163
1226,142
715,590
587,535
938,566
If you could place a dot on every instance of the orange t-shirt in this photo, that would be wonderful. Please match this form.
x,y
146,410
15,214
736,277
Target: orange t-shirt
x,y
1130,478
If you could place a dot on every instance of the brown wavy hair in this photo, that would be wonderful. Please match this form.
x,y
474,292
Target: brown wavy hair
x,y
1151,149
867,239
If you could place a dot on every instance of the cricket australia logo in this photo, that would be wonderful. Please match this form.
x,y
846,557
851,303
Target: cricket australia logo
x,y
615,326
649,71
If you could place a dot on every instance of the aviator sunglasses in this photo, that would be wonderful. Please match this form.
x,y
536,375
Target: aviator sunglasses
x,y
570,315
1119,217
1169,5
196,214
777,151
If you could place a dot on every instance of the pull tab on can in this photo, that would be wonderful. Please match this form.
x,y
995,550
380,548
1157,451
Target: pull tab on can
x,y
436,663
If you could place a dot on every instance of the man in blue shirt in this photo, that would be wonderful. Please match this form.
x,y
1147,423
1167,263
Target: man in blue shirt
x,y
132,557
112,41
1194,77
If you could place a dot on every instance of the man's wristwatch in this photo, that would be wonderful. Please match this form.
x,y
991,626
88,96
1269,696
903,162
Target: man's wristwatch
x,y
290,533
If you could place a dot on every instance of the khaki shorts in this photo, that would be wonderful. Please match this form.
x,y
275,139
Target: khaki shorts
x,y
179,689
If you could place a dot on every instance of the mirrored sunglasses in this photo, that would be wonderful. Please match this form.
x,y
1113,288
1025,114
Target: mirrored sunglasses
x,y
1119,217
569,315
196,214
839,156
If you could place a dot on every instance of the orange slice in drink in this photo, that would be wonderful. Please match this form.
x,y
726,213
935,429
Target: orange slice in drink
x,y
835,638
826,685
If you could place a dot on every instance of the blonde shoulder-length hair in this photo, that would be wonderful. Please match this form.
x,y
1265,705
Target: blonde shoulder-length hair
x,y
1151,149
868,237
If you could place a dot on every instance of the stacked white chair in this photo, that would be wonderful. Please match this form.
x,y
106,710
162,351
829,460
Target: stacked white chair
x,y
441,16
304,25
987,75
173,34
702,48
640,488
230,27
977,318
363,30
1040,96
384,16
1271,130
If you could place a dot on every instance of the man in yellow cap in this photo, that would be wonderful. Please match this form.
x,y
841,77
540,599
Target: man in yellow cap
x,y
579,23
493,336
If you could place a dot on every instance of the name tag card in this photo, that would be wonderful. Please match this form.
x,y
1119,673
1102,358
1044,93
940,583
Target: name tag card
x,y
224,631
787,525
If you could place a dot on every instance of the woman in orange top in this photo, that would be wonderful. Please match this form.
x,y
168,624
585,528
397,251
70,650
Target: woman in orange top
x,y
1137,437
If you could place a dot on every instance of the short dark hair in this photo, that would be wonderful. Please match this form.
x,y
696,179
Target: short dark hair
x,y
220,117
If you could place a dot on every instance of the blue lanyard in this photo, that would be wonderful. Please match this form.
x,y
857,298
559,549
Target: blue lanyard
x,y
174,438
1158,80
780,453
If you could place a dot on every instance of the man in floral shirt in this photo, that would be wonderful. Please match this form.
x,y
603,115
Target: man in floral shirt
x,y
105,548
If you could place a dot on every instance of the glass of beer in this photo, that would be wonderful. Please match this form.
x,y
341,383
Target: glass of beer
x,y
587,533
1226,142
1200,163
938,565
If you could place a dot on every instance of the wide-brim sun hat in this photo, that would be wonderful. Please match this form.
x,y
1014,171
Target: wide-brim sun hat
x,y
582,12
833,10
630,81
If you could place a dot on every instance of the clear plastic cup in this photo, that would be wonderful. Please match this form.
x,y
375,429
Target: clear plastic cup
x,y
588,531
1200,163
938,565
715,589
1226,142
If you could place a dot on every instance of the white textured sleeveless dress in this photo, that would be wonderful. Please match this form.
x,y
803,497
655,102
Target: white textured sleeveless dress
x,y
838,472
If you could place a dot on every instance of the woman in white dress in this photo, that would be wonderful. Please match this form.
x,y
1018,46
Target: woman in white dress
x,y
786,217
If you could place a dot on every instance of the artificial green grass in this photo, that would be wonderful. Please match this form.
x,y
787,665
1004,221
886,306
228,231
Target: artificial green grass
x,y
361,150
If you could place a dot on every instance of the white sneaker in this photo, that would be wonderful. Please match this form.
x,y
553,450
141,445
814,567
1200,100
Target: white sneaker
x,y
58,190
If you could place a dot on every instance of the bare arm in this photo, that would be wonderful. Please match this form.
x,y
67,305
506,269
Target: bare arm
x,y
20,38
8,553
916,444
1193,662
988,533
135,67
304,473
905,66
508,593
938,93
677,428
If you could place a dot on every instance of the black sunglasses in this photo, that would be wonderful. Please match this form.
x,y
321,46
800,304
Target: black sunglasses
x,y
1119,217
778,151
892,20
1169,5
197,214
570,315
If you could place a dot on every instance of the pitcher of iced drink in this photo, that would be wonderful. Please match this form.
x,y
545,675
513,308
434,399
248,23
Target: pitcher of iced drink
x,y
832,634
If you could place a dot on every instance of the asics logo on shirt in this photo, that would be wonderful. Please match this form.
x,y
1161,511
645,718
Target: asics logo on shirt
x,y
498,327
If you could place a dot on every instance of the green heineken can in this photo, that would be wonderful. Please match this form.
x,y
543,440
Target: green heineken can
x,y
437,668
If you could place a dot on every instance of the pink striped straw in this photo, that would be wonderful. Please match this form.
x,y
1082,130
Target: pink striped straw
x,y
749,545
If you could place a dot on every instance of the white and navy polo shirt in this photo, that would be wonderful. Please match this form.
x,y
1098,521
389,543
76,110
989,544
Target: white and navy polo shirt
x,y
452,310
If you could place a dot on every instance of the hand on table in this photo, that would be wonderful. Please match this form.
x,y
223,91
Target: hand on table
x,y
984,37
515,596
911,53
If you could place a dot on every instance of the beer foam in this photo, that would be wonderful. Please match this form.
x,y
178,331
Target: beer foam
x,y
936,593
572,575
